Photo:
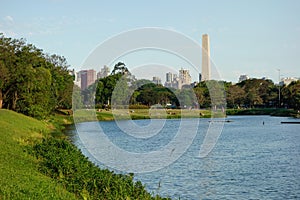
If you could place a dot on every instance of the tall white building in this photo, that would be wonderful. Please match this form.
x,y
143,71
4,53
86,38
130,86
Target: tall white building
x,y
78,79
171,80
104,72
175,81
156,80
184,78
288,80
243,78
206,73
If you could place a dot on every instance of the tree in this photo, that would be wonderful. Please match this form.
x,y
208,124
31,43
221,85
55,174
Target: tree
x,y
187,98
199,92
151,94
77,101
62,81
120,68
235,96
121,93
291,95
217,93
4,79
252,98
259,92
31,82
37,101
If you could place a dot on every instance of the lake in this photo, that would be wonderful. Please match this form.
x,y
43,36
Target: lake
x,y
255,157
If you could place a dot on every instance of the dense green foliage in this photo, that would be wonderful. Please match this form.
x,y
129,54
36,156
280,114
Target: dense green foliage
x,y
65,163
150,94
260,93
32,82
291,95
252,93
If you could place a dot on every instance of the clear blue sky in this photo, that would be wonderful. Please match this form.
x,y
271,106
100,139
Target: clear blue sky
x,y
247,37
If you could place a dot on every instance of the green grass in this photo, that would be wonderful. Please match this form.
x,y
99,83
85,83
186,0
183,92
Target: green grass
x,y
19,174
106,115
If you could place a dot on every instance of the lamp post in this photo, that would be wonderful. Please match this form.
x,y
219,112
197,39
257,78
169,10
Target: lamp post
x,y
278,88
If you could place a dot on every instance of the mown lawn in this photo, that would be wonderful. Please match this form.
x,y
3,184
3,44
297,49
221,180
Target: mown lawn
x,y
104,115
19,175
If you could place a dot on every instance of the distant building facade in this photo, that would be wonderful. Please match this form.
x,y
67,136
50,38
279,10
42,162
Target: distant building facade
x,y
243,78
77,79
87,78
104,72
171,80
288,80
184,78
156,80
169,77
177,82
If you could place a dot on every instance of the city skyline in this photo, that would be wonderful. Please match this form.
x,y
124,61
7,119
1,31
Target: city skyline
x,y
254,38
87,77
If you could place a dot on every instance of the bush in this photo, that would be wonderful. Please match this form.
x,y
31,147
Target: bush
x,y
61,160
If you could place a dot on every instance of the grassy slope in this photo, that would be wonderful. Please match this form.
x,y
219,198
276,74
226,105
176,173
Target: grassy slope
x,y
20,171
19,176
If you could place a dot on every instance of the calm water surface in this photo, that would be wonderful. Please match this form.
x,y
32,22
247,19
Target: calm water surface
x,y
256,157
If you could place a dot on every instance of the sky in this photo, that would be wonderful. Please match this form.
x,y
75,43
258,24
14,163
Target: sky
x,y
255,37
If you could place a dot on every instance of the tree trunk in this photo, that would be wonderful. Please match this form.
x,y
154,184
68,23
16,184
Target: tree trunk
x,y
1,99
14,101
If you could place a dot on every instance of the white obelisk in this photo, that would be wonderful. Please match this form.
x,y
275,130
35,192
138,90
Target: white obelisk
x,y
205,58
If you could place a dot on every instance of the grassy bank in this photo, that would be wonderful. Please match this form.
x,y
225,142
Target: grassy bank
x,y
38,163
20,177
154,114
108,115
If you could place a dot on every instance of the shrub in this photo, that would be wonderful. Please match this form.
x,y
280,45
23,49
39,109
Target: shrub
x,y
61,160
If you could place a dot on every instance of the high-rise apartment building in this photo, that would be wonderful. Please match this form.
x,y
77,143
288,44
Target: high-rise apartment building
x,y
104,72
206,73
169,77
175,81
156,80
184,77
87,78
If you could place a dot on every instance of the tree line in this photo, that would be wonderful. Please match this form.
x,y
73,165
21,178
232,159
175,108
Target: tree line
x,y
36,84
251,93
32,82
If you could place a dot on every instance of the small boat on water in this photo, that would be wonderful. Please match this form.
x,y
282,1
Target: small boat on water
x,y
294,122
220,121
